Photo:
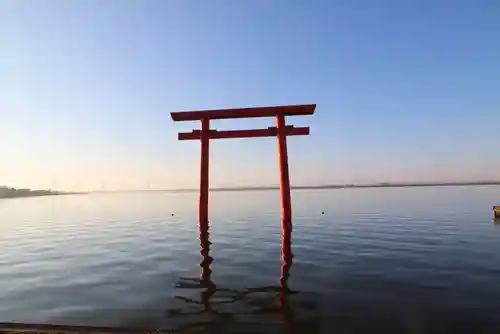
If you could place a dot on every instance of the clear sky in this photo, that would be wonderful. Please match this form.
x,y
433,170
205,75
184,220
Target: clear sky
x,y
405,90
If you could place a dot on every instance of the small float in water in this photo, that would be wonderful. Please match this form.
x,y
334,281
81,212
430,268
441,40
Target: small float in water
x,y
496,211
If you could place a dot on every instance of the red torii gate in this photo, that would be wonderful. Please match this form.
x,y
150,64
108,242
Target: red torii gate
x,y
281,131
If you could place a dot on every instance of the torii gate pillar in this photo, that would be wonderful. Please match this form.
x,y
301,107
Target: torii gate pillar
x,y
281,131
204,171
286,205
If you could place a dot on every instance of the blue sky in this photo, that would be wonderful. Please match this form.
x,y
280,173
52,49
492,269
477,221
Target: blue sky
x,y
405,90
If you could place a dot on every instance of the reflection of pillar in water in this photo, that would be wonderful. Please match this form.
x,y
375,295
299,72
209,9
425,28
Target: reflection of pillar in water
x,y
286,265
206,261
286,254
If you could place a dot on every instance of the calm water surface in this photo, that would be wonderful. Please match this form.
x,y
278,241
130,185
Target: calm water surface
x,y
403,260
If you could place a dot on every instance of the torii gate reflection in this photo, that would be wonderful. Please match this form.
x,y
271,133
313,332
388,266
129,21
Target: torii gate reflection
x,y
209,288
281,131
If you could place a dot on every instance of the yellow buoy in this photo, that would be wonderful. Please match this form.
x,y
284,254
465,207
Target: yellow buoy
x,y
496,211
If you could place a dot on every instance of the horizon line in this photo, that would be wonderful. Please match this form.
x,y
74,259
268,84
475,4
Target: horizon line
x,y
324,186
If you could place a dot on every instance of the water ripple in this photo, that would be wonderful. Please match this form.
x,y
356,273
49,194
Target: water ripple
x,y
370,260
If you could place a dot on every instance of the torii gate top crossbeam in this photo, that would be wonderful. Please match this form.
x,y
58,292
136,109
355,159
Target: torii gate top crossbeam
x,y
293,110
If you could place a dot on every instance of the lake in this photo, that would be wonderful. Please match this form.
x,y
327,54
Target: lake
x,y
401,260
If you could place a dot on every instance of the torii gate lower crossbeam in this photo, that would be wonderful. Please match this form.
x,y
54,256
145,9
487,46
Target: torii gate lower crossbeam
x,y
281,131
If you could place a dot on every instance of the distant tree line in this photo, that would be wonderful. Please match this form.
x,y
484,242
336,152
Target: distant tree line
x,y
6,192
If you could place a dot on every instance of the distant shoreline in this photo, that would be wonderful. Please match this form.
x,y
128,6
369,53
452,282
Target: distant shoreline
x,y
39,195
6,193
346,186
